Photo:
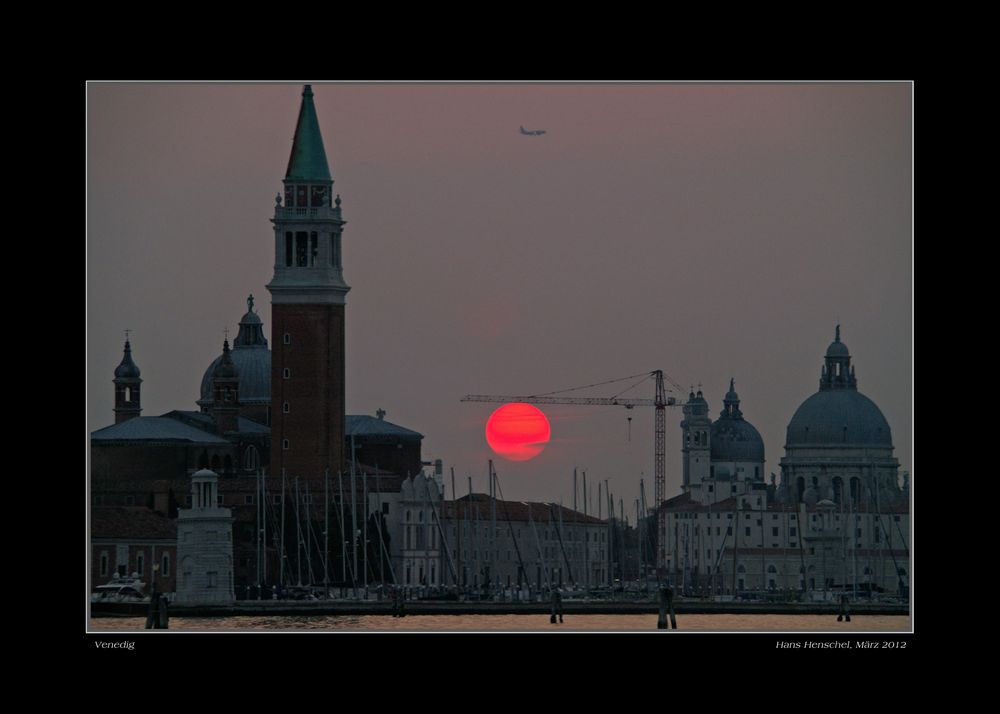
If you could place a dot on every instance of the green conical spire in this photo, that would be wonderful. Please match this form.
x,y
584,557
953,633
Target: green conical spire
x,y
308,159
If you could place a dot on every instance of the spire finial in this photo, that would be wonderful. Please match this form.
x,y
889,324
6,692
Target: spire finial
x,y
732,386
127,331
250,303
838,333
225,331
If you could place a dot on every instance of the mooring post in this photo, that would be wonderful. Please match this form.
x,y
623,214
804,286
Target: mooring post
x,y
670,608
163,622
845,611
661,621
152,615
556,607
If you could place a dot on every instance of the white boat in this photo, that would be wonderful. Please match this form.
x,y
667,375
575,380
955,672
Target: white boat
x,y
127,589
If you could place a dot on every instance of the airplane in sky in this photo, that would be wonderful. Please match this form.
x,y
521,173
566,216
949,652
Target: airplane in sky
x,y
528,132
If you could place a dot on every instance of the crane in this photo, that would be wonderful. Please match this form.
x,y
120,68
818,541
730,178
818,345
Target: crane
x,y
660,402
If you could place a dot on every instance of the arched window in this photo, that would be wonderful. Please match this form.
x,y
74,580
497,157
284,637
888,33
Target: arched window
x,y
741,569
251,459
165,565
128,394
772,570
104,563
838,489
140,562
215,463
800,487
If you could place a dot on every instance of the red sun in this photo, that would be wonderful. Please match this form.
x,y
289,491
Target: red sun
x,y
517,431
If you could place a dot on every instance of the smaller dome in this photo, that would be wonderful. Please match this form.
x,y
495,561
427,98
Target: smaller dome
x,y
204,473
250,318
127,369
837,349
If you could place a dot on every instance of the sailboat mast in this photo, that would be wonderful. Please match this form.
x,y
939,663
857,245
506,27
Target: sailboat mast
x,y
326,531
458,533
343,535
298,534
284,503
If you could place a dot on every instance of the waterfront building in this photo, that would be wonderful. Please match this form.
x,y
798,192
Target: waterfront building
x,y
837,523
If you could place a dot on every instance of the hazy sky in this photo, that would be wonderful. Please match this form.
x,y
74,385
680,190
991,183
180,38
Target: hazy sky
x,y
711,231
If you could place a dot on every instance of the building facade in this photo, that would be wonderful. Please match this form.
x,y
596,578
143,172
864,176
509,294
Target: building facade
x,y
838,522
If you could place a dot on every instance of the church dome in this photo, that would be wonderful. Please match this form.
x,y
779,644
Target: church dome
x,y
127,369
837,349
252,360
733,437
838,414
838,417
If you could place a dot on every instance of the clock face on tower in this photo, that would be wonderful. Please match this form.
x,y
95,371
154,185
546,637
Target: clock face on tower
x,y
318,197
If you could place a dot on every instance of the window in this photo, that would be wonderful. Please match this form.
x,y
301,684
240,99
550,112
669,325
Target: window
x,y
140,562
774,532
288,249
748,530
284,444
284,407
251,459
276,499
104,563
213,578
248,499
313,248
791,531
385,509
287,339
165,565
301,249
130,500
286,373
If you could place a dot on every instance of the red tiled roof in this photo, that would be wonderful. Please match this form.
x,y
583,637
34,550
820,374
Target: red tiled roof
x,y
130,522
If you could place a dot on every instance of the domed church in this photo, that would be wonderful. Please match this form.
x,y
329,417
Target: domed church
x,y
838,524
252,360
838,442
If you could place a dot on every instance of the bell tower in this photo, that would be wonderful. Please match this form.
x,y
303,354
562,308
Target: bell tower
x,y
127,383
307,311
695,430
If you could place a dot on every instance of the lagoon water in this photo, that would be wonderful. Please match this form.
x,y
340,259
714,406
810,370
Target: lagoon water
x,y
513,623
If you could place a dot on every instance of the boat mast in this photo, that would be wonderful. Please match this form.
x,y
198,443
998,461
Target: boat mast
x,y
343,535
326,531
284,504
586,539
354,521
458,532
298,534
